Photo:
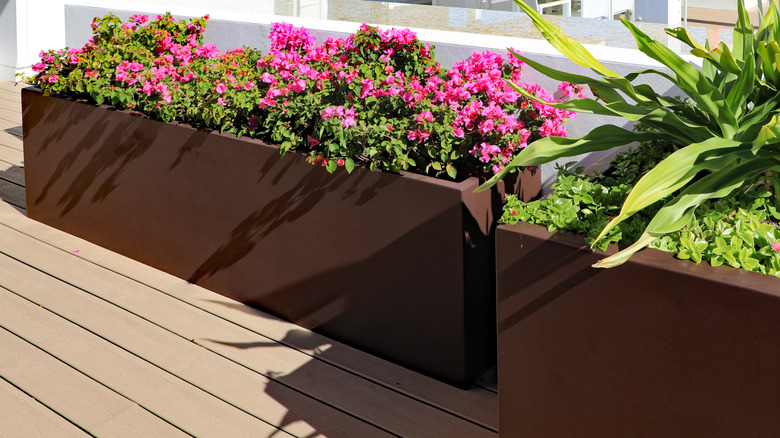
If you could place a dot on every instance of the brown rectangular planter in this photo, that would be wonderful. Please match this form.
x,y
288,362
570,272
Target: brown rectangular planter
x,y
658,347
400,266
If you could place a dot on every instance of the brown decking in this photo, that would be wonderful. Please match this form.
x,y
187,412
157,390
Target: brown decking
x,y
93,343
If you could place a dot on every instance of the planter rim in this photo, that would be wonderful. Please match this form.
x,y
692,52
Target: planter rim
x,y
754,281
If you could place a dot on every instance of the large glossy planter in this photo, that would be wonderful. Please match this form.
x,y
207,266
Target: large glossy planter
x,y
658,347
400,266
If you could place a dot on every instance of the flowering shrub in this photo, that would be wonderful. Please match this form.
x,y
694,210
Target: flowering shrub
x,y
377,99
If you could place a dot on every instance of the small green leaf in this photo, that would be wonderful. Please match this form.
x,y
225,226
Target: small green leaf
x,y
452,171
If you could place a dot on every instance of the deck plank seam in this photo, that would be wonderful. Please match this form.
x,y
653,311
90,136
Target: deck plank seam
x,y
268,376
78,371
314,357
37,400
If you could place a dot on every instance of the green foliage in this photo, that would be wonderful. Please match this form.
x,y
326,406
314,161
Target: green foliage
x,y
739,230
727,126
376,99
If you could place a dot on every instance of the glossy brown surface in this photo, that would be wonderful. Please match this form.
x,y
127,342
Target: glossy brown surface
x,y
657,347
401,266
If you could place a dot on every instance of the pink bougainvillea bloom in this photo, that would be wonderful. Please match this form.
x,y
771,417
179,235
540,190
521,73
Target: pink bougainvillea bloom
x,y
776,246
298,86
340,162
139,19
425,116
39,66
349,118
222,101
252,122
221,88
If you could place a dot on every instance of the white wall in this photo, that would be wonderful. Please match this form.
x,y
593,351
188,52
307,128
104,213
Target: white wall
x,y
26,28
8,38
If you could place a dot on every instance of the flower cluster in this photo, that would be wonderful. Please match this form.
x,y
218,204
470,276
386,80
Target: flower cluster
x,y
377,98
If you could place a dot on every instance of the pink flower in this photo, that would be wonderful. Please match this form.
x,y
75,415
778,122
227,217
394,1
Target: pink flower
x,y
425,116
298,86
776,246
221,88
252,122
139,19
457,131
222,101
39,66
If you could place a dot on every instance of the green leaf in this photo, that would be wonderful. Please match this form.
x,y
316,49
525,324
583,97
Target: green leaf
x,y
452,171
720,56
675,214
769,134
674,172
331,166
688,78
742,89
568,47
743,34
349,164
601,89
548,149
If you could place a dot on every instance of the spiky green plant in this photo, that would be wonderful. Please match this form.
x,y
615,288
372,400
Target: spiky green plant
x,y
728,127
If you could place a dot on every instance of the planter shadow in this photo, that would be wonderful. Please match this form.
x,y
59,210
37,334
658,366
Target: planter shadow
x,y
402,266
655,347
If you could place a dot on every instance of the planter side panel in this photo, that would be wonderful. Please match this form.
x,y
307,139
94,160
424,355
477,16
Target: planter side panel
x,y
656,347
372,259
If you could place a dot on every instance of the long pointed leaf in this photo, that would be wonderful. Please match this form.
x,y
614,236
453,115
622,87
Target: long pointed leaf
x,y
769,134
675,214
604,89
740,91
721,56
660,117
681,33
675,171
569,47
767,52
705,95
547,149
744,38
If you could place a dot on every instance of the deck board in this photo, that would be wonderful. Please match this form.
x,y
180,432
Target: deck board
x,y
178,355
195,411
18,407
188,343
88,404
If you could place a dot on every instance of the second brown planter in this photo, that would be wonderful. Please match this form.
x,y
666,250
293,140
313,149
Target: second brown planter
x,y
657,347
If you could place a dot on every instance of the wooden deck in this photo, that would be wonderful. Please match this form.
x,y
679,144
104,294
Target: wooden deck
x,y
95,344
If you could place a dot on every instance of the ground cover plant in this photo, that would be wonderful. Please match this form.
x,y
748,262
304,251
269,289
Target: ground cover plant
x,y
739,230
726,130
377,99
